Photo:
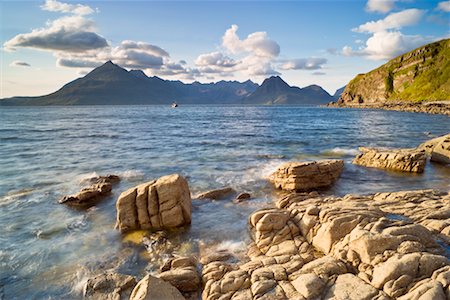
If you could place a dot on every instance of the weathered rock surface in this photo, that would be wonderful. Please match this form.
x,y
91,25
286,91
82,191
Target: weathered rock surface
x,y
304,176
181,272
216,194
101,187
438,149
380,246
109,286
406,160
162,203
152,288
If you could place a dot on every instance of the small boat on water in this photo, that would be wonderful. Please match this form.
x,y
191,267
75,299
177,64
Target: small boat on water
x,y
174,104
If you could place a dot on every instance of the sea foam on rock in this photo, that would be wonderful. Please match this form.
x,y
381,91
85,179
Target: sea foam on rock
x,y
304,176
161,203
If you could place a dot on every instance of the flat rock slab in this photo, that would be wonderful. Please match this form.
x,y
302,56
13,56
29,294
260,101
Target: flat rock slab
x,y
305,176
405,160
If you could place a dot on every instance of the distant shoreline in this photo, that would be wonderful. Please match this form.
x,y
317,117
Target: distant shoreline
x,y
434,107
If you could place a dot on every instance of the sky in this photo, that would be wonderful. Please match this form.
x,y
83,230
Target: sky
x,y
45,44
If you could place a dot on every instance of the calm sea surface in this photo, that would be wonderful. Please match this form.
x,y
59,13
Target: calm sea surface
x,y
47,250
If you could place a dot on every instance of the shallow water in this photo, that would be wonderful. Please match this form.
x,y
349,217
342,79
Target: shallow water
x,y
48,249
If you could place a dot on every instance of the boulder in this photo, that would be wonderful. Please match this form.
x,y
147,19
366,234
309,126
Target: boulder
x,y
109,286
181,272
441,153
101,186
242,197
406,160
216,194
151,288
304,176
163,203
350,287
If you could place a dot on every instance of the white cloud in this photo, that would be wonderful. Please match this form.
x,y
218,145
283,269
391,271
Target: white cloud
x,y
71,34
77,9
398,20
444,6
215,59
256,43
312,63
386,45
382,6
18,63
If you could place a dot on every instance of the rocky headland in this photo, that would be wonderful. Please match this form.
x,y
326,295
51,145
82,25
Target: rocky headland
x,y
306,245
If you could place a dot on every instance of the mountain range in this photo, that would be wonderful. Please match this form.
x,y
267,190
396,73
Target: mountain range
x,y
109,84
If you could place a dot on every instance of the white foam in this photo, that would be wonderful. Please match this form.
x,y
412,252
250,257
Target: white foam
x,y
234,247
87,177
132,174
341,151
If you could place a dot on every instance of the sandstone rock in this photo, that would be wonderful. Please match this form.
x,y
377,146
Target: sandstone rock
x,y
109,286
101,186
303,176
308,285
164,203
150,288
242,197
406,160
441,153
216,194
182,273
350,287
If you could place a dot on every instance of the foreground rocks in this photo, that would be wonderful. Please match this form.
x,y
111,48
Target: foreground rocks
x,y
152,288
438,149
109,286
181,272
304,176
100,187
406,160
162,203
380,246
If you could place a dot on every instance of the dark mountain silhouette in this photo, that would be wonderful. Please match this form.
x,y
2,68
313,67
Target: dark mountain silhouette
x,y
275,90
110,84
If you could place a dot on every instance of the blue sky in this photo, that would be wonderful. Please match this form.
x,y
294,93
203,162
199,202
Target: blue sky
x,y
48,43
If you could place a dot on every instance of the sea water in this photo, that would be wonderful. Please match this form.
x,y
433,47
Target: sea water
x,y
48,250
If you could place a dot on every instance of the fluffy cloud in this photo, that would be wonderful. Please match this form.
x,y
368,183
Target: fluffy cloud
x,y
215,59
444,6
385,45
257,43
71,34
392,21
18,63
382,6
77,9
312,63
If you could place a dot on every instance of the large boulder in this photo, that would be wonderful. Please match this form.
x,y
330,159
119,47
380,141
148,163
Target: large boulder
x,y
152,288
109,286
304,176
101,187
441,152
406,160
162,203
182,273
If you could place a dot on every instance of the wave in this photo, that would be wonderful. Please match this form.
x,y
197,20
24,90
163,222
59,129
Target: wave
x,y
132,175
338,151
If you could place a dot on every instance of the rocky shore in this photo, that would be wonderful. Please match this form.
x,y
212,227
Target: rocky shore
x,y
307,245
438,107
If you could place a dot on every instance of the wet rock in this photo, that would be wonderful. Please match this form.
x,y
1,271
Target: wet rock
x,y
406,160
150,288
109,286
304,176
101,187
158,204
242,197
216,194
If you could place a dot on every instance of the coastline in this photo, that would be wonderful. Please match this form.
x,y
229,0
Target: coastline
x,y
435,107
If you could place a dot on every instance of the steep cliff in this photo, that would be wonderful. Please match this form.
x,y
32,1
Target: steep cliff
x,y
420,75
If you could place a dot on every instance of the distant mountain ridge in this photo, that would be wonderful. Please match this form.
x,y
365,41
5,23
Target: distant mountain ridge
x,y
109,84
